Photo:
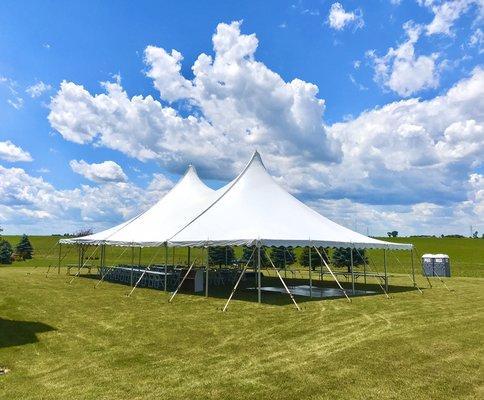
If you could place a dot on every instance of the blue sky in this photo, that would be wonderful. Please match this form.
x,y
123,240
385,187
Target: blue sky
x,y
371,112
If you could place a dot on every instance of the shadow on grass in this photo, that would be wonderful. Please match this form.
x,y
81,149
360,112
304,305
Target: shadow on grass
x,y
282,299
18,333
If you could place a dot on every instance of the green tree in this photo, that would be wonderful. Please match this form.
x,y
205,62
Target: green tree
x,y
392,234
24,248
315,258
247,252
5,252
221,255
342,257
282,256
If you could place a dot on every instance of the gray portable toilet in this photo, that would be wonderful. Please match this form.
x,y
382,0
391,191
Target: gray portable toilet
x,y
436,265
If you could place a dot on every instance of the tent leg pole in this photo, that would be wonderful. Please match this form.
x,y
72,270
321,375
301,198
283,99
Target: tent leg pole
x,y
385,268
352,272
59,261
331,272
166,267
310,274
238,281
364,270
206,276
132,262
181,283
139,258
413,269
283,283
376,278
258,275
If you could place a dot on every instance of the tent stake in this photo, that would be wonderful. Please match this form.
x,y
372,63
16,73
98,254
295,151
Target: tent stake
x,y
282,280
181,283
238,281
331,272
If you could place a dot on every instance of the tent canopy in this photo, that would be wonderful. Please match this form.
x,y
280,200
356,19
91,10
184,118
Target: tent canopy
x,y
253,208
155,226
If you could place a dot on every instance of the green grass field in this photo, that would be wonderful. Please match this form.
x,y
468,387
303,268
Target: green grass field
x,y
63,340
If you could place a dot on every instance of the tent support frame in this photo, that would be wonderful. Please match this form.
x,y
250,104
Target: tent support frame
x,y
332,274
181,282
110,269
282,280
238,281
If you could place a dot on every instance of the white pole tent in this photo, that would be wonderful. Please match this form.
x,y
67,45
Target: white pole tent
x,y
255,210
153,227
252,210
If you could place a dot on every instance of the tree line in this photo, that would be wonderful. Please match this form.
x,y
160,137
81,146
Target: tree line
x,y
285,256
22,251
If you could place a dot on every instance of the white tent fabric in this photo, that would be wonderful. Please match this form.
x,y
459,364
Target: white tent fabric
x,y
179,206
253,208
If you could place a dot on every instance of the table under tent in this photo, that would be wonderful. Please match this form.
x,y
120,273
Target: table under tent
x,y
253,211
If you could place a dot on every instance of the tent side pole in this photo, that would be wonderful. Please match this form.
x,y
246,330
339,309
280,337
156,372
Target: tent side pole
x,y
59,261
413,268
132,262
181,283
139,257
206,276
166,266
385,268
238,281
331,272
283,283
188,255
364,269
310,273
352,271
376,277
258,275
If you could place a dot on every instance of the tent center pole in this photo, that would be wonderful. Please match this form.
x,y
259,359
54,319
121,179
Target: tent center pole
x,y
310,273
385,268
352,272
258,274
413,268
59,261
206,276
132,262
166,267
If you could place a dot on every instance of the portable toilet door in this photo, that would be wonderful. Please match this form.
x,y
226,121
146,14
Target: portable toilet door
x,y
441,265
428,265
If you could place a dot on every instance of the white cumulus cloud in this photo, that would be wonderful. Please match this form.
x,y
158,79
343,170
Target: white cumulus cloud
x,y
107,171
12,153
338,18
401,70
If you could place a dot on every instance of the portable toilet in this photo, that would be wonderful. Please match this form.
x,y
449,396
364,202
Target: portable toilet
x,y
436,265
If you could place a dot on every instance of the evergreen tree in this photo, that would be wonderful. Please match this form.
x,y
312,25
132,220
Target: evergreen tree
x,y
315,258
282,256
24,248
221,255
5,252
247,252
342,257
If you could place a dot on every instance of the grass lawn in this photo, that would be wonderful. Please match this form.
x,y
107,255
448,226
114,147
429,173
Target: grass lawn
x,y
73,341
